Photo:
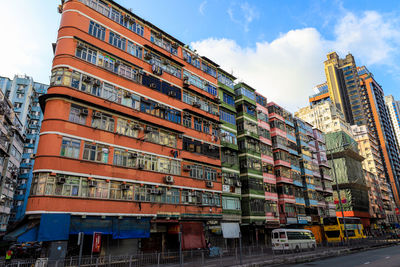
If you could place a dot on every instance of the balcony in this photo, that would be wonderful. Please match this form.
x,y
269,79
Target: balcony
x,y
298,183
282,163
19,197
281,179
276,131
26,165
328,189
271,196
286,198
300,200
311,202
318,187
23,176
22,187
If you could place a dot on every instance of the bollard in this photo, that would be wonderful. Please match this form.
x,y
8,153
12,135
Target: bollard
x,y
236,254
202,258
130,261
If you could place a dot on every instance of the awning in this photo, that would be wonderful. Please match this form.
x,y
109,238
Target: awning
x,y
54,227
119,228
192,235
25,233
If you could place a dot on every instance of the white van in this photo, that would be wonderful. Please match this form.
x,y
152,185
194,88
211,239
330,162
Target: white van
x,y
293,240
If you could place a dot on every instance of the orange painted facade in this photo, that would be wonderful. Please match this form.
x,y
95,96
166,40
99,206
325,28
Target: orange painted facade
x,y
57,127
382,138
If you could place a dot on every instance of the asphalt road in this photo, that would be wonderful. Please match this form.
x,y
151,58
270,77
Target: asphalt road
x,y
384,257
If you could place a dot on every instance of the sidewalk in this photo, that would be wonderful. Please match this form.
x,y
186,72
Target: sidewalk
x,y
251,257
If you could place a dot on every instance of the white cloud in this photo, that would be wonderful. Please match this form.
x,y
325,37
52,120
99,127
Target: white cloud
x,y
247,14
202,7
286,69
373,37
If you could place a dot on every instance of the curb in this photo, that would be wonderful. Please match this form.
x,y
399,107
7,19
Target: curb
x,y
309,258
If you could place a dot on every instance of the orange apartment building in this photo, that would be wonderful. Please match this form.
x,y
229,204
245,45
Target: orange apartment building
x,y
129,144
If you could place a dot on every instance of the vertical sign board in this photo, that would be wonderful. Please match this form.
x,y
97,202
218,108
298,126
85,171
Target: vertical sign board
x,y
230,230
96,245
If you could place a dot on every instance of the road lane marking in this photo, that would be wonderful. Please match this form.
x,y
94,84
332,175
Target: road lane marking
x,y
388,257
367,263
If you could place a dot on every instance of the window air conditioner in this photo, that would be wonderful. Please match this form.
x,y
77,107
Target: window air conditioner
x,y
61,180
125,187
169,179
92,183
84,112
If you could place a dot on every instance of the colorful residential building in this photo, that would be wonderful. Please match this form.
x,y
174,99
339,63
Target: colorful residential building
x,y
309,169
11,149
24,93
393,107
282,165
381,198
267,159
231,183
130,136
253,193
378,122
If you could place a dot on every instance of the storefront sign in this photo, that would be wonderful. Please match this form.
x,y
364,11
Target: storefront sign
x,y
96,245
291,220
302,219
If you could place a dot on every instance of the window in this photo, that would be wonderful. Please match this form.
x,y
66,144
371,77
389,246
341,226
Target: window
x,y
207,68
196,171
117,41
206,127
226,116
228,99
128,128
210,174
162,64
70,147
197,124
86,53
224,79
77,114
125,158
191,59
95,152
231,203
135,50
161,41
97,30
102,121
245,92
228,137
187,120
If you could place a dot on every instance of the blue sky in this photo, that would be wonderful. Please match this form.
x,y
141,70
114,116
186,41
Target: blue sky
x,y
278,47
